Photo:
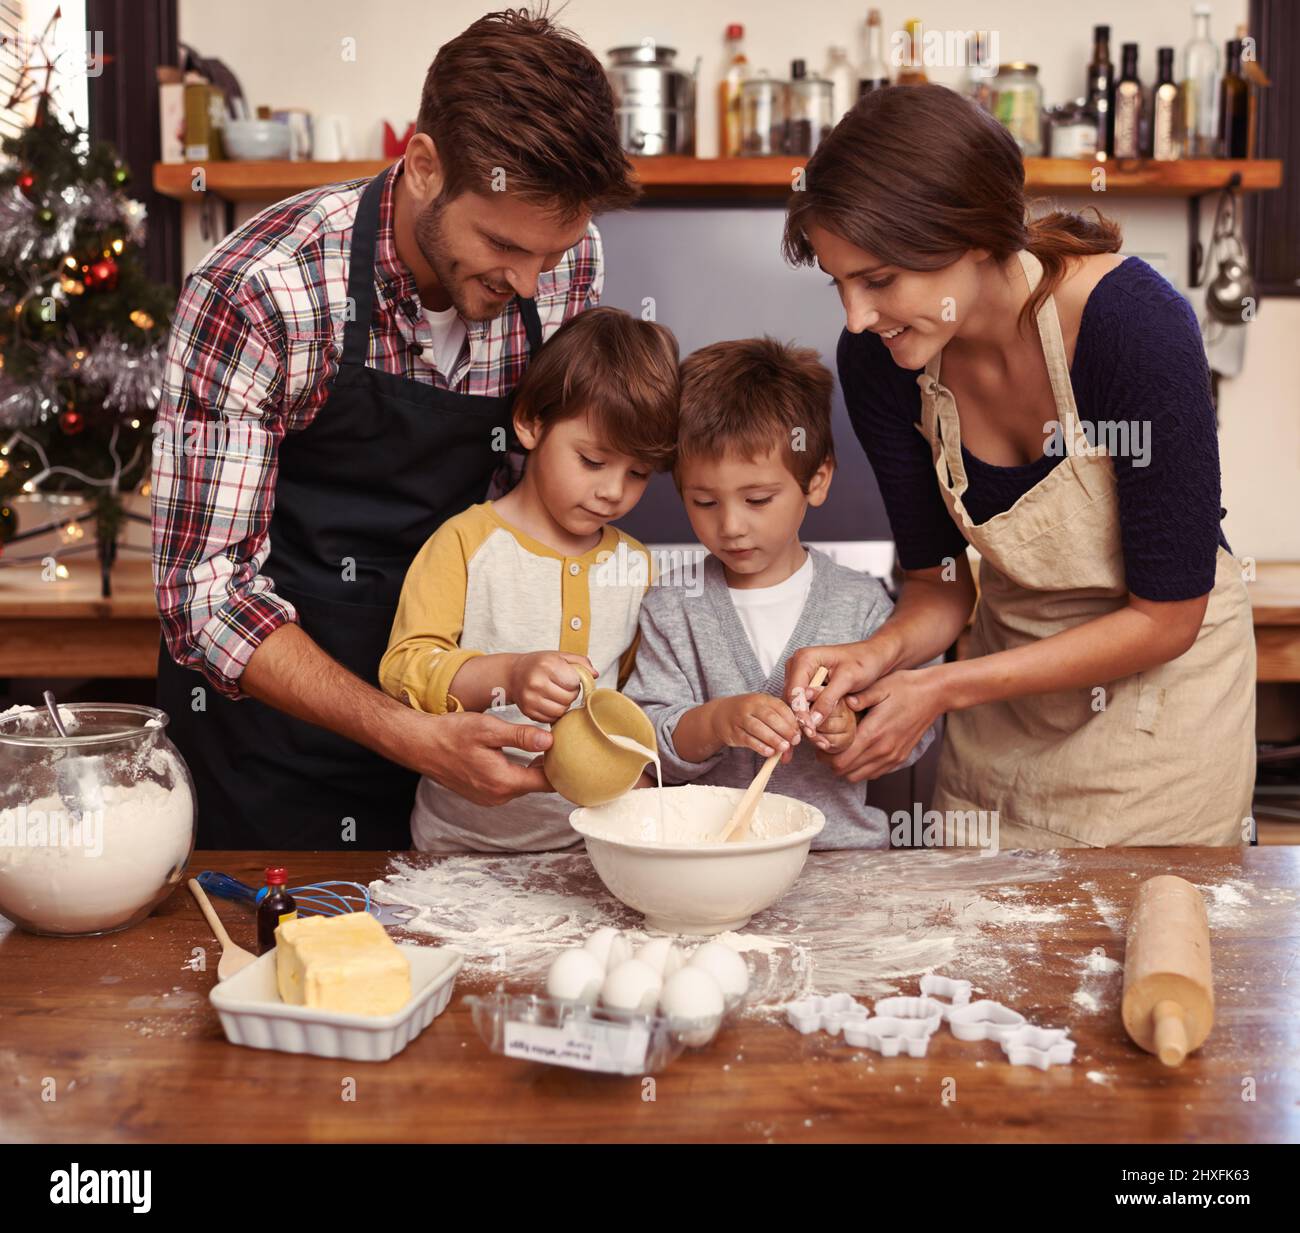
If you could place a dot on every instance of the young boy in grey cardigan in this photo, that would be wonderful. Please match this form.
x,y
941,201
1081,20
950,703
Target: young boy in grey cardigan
x,y
754,452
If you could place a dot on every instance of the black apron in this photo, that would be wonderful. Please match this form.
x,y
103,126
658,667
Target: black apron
x,y
383,464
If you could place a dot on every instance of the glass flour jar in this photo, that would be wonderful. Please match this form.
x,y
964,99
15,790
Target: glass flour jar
x,y
96,828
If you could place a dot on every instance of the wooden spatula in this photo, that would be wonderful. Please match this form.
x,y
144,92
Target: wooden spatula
x,y
233,958
738,827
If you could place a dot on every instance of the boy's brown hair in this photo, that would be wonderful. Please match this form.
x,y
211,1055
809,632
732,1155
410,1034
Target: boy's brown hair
x,y
517,94
616,368
747,395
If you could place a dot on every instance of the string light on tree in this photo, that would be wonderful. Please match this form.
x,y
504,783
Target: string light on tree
x,y
82,327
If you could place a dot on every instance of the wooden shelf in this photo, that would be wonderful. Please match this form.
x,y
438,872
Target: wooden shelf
x,y
672,178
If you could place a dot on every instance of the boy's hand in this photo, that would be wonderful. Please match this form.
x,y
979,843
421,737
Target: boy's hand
x,y
543,684
756,721
832,735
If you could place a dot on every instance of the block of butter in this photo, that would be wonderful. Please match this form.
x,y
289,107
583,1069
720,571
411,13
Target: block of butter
x,y
341,963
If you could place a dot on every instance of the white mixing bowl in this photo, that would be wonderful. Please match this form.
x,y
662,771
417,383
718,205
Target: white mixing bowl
x,y
677,874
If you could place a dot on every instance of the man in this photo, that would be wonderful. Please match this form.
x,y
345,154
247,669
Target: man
x,y
338,383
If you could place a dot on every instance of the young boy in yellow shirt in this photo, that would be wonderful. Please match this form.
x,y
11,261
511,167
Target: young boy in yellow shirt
x,y
504,599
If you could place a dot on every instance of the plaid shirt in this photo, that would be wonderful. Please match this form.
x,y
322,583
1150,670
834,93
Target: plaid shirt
x,y
255,343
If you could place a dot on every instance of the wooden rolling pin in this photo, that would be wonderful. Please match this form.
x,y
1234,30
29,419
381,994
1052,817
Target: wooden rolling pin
x,y
1168,1004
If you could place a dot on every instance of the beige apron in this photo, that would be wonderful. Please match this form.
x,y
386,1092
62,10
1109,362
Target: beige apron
x,y
1163,757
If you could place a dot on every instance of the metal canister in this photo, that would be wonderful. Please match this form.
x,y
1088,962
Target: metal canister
x,y
654,101
764,115
1018,103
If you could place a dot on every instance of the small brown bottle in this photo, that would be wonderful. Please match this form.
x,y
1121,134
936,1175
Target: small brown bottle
x,y
277,905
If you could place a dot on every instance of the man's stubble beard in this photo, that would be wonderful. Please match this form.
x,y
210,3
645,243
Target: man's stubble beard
x,y
430,235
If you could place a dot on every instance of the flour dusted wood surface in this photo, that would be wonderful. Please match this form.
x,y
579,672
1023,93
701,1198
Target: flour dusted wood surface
x,y
120,1030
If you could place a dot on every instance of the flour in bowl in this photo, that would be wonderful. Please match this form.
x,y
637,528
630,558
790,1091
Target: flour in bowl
x,y
692,814
96,876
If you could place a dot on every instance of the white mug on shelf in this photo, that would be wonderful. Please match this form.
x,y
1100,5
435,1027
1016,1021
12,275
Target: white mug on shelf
x,y
330,140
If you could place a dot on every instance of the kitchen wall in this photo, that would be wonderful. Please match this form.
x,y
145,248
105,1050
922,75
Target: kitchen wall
x,y
717,273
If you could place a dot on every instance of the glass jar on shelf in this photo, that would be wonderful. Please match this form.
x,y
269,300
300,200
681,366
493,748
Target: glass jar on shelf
x,y
811,111
1071,130
1017,99
764,115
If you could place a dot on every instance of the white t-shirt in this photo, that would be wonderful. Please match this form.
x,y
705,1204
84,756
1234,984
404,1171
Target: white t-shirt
x,y
448,338
769,614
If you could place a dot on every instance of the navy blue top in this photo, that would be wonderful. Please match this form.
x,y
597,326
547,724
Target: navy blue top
x,y
1138,358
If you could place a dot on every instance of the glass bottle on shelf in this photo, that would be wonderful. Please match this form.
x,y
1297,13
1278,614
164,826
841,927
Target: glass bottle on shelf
x,y
764,107
1234,107
1166,117
979,72
874,72
735,70
912,71
1101,89
1128,106
844,81
1200,89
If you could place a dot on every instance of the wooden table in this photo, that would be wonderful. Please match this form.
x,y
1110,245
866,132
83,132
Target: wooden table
x,y
63,628
122,1028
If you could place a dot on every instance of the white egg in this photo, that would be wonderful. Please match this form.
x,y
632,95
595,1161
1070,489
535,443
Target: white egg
x,y
632,985
725,966
662,955
609,946
692,994
575,976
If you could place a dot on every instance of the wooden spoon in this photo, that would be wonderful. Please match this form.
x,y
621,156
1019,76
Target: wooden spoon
x,y
233,958
738,827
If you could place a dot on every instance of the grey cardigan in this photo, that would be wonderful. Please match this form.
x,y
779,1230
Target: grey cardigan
x,y
694,648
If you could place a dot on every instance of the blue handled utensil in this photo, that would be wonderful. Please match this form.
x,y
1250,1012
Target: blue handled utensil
x,y
315,899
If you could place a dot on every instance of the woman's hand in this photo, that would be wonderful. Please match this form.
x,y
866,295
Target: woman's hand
x,y
543,684
755,721
902,705
853,667
835,732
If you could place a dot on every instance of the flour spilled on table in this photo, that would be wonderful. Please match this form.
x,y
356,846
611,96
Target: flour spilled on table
x,y
862,922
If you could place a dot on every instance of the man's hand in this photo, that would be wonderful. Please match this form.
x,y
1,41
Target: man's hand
x,y
755,721
462,751
544,685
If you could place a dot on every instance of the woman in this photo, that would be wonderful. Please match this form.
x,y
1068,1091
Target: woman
x,y
1020,387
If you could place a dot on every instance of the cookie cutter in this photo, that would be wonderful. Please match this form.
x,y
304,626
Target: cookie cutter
x,y
1041,1047
957,991
984,1020
928,1010
888,1036
827,1013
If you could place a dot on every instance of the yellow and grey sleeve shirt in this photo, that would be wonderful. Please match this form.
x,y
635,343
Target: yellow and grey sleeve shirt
x,y
480,586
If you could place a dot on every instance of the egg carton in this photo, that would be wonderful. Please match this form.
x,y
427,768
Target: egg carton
x,y
582,1037
1041,1047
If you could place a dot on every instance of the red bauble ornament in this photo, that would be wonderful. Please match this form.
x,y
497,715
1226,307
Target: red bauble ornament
x,y
102,274
27,182
71,421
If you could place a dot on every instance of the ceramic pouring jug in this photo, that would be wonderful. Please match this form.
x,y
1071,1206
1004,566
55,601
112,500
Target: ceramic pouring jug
x,y
583,764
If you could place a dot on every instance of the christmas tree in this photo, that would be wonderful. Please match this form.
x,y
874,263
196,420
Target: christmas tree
x,y
82,329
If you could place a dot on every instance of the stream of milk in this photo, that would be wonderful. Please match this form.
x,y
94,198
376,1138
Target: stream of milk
x,y
626,742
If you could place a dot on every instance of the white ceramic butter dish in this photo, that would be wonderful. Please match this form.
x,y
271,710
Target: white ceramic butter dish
x,y
252,1013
